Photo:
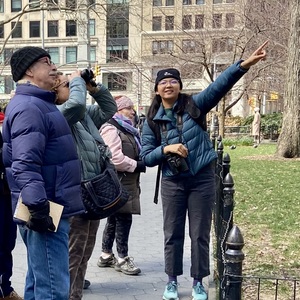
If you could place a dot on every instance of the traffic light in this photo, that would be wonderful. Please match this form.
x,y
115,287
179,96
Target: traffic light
x,y
97,70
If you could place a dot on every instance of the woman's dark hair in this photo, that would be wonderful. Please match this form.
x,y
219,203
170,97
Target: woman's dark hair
x,y
181,104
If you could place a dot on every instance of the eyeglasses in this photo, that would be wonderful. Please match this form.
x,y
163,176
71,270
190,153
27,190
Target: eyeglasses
x,y
46,60
165,82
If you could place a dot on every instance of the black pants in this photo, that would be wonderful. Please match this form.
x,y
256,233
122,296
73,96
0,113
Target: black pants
x,y
8,233
117,227
194,195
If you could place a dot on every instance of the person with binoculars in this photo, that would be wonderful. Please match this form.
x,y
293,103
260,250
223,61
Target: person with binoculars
x,y
174,138
85,122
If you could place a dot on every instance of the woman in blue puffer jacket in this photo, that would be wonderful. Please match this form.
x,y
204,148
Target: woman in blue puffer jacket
x,y
187,158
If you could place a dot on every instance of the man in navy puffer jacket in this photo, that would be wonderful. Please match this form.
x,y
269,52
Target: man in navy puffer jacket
x,y
41,164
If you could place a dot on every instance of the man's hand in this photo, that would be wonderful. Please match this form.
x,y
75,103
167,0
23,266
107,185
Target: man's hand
x,y
40,220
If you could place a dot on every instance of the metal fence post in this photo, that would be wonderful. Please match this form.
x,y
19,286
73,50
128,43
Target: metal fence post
x,y
234,257
227,222
226,164
218,207
228,193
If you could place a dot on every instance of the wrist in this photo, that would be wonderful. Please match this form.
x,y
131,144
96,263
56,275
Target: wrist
x,y
93,90
245,65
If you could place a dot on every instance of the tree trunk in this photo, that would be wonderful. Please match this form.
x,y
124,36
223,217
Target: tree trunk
x,y
289,140
221,109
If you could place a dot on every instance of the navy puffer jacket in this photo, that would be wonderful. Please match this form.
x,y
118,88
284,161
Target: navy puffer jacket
x,y
200,150
39,152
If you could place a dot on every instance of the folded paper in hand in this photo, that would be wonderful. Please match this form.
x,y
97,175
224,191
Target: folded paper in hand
x,y
22,213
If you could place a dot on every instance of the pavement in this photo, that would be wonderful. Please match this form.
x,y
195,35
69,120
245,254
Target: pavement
x,y
145,246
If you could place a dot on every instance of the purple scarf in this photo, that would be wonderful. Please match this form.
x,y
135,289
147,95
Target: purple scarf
x,y
127,125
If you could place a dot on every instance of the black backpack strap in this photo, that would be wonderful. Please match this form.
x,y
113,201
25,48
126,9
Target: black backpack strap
x,y
195,112
117,125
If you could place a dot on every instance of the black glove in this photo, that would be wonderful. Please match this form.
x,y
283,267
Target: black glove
x,y
40,220
140,167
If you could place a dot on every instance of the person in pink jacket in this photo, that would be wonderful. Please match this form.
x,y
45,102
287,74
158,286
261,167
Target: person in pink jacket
x,y
123,139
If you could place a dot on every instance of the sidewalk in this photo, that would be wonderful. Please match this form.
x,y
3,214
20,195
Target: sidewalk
x,y
145,245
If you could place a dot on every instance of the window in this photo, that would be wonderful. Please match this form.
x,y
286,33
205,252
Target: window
x,y
217,1
52,4
93,53
217,21
54,53
117,82
71,29
91,3
157,3
92,27
117,1
71,4
2,85
6,55
198,2
169,2
222,45
156,23
162,47
117,53
230,1
230,20
52,28
34,29
16,5
118,28
6,84
187,22
34,4
1,6
187,2
169,23
199,21
71,55
188,46
17,33
1,31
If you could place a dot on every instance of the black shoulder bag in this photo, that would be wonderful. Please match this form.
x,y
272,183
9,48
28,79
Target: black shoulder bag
x,y
104,194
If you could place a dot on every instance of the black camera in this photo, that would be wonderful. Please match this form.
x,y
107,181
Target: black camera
x,y
88,76
177,163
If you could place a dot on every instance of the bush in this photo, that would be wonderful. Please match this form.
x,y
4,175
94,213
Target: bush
x,y
238,141
268,122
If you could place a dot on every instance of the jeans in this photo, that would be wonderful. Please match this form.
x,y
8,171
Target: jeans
x,y
117,227
8,233
194,195
82,241
48,263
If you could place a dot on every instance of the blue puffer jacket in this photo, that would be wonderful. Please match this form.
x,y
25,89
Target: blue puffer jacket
x,y
200,150
39,152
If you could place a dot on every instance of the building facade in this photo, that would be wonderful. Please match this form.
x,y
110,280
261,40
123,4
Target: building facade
x,y
129,40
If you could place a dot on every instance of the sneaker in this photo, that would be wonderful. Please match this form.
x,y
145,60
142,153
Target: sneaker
x,y
199,292
170,292
86,284
13,296
127,267
107,262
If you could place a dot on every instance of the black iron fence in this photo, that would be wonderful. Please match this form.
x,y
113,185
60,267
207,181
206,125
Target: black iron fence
x,y
232,284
